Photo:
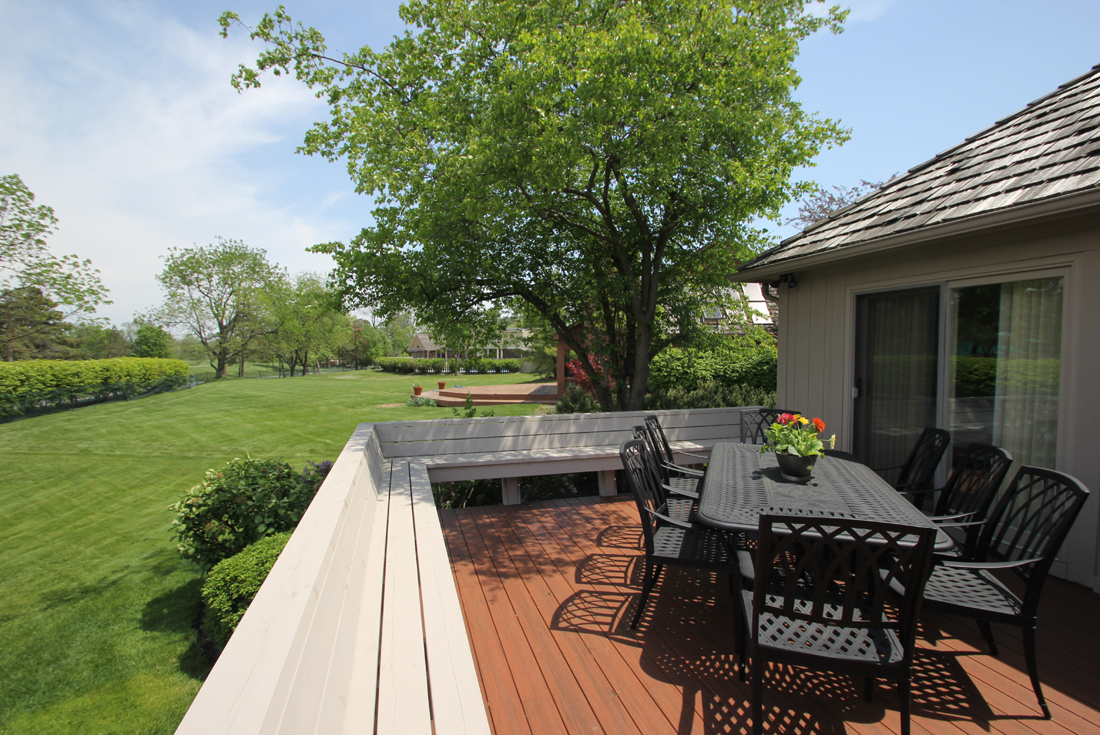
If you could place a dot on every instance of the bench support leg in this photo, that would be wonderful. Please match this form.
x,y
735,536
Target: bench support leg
x,y
608,487
510,487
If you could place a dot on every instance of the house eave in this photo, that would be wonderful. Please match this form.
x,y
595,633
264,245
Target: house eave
x,y
1054,207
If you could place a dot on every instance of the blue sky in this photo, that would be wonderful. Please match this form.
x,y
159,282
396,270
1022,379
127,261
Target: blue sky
x,y
119,114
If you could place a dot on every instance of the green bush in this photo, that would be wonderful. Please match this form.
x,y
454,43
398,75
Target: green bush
x,y
27,385
234,582
436,365
576,400
681,369
237,506
709,395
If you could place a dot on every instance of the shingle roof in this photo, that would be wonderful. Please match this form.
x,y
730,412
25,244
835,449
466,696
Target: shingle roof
x,y
1049,149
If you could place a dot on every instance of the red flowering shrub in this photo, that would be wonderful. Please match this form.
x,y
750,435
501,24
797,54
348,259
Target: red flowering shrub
x,y
575,370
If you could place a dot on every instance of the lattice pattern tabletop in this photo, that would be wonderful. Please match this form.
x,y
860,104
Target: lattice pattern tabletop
x,y
741,484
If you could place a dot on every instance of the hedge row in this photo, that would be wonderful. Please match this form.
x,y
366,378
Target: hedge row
x,y
436,365
28,385
686,370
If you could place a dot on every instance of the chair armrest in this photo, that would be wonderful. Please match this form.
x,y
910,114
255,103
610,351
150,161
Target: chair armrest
x,y
958,525
681,470
676,491
917,492
671,521
691,454
989,564
936,519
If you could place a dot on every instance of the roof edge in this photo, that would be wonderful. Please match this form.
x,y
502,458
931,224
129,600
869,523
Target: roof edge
x,y
1055,207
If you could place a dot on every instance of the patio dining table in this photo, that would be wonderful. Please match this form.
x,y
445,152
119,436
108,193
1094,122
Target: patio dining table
x,y
741,484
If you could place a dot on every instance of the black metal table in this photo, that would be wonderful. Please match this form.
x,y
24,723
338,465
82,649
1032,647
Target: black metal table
x,y
742,484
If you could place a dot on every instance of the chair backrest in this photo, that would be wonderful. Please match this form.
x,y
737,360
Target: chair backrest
x,y
653,455
644,486
658,441
755,422
837,572
1030,522
972,488
919,470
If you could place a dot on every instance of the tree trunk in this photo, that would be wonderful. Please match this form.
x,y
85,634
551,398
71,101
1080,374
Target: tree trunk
x,y
223,363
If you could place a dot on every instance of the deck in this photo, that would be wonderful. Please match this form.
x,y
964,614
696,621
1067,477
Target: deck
x,y
548,590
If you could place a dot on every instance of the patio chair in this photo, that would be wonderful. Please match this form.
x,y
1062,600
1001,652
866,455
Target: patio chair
x,y
965,500
918,472
822,600
1026,530
755,422
664,450
669,540
679,493
681,480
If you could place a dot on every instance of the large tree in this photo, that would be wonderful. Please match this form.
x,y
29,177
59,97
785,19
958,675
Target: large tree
x,y
28,270
306,320
600,160
215,293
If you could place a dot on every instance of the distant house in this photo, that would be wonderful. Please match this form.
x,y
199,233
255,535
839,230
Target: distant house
x,y
511,346
961,295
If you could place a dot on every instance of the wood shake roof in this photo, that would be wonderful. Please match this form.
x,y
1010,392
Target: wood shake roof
x,y
1047,150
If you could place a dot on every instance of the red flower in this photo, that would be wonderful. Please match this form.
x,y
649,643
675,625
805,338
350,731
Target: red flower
x,y
819,424
785,418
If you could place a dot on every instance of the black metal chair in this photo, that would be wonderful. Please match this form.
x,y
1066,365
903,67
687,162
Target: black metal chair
x,y
677,479
669,540
918,472
679,493
1026,530
822,599
664,449
755,422
964,502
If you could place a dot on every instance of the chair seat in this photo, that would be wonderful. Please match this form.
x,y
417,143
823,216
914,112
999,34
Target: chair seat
x,y
689,486
847,644
964,591
681,508
699,547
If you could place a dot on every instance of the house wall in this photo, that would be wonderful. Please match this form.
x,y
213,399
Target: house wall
x,y
817,339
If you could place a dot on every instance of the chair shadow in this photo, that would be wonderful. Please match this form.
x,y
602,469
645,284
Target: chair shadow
x,y
619,570
620,537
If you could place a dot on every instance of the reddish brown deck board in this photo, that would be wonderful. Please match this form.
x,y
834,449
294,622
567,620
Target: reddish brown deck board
x,y
571,567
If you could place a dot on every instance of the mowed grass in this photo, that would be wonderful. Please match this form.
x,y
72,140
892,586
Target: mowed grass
x,y
96,607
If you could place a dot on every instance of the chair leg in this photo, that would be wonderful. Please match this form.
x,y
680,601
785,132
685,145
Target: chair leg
x,y
987,633
869,688
757,695
1033,668
903,696
652,572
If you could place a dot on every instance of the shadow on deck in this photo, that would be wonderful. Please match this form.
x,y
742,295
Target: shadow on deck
x,y
548,591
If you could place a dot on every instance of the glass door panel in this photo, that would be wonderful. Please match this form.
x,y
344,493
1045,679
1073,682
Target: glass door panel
x,y
896,374
1003,382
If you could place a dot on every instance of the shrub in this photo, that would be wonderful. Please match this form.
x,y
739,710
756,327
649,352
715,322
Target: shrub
x,y
576,400
756,367
313,474
436,365
709,395
418,401
234,582
237,506
27,385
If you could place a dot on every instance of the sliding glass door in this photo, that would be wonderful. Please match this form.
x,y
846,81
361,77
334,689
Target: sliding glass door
x,y
1003,384
896,374
997,380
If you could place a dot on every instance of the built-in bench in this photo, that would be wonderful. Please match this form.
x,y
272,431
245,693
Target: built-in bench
x,y
358,627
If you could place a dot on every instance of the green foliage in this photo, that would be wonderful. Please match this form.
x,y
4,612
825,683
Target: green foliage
x,y
236,506
214,292
468,411
233,583
577,400
31,326
32,384
709,395
418,401
438,365
27,263
152,341
602,162
795,434
686,369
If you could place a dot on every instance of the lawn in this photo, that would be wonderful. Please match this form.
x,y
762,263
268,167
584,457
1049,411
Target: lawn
x,y
96,607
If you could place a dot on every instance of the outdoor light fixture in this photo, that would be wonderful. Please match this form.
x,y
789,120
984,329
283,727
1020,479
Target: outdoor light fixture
x,y
787,278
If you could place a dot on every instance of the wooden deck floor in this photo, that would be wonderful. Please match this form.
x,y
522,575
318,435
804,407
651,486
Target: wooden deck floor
x,y
548,591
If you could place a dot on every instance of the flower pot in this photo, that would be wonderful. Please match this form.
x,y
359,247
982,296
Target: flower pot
x,y
793,467
416,390
442,384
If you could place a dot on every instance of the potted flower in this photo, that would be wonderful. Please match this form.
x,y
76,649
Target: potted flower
x,y
416,389
794,439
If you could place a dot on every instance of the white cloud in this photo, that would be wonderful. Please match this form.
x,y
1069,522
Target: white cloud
x,y
123,120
